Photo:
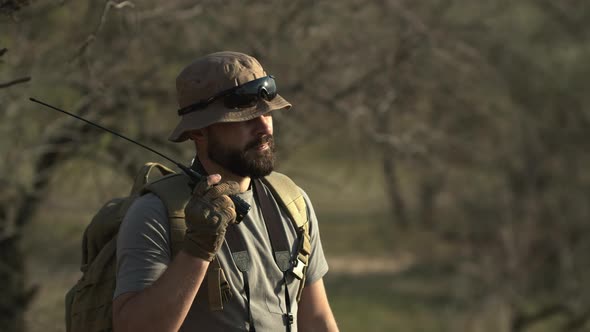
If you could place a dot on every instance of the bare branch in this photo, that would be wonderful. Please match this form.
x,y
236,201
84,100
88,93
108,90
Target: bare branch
x,y
434,36
172,12
103,18
14,82
559,15
522,321
111,4
577,322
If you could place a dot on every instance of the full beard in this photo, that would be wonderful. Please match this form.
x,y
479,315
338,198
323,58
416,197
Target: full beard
x,y
246,162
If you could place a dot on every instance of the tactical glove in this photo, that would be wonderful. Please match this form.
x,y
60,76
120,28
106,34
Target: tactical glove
x,y
207,214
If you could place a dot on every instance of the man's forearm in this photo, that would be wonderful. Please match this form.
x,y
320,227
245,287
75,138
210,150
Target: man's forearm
x,y
164,305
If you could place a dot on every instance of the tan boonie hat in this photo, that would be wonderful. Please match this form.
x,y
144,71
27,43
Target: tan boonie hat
x,y
210,75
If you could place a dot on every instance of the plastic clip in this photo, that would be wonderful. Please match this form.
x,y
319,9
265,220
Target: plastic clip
x,y
298,268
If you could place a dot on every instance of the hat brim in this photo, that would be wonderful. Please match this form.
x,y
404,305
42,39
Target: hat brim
x,y
217,112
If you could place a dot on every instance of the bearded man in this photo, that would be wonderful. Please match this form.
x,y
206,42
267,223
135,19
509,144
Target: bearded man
x,y
262,273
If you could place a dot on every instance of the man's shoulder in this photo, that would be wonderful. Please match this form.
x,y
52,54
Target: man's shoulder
x,y
147,202
173,190
146,211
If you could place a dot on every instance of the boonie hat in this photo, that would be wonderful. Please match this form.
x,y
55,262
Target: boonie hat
x,y
208,76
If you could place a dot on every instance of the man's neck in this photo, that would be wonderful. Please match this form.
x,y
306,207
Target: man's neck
x,y
214,168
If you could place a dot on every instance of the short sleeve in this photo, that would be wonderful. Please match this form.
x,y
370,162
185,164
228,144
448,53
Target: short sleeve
x,y
317,266
143,249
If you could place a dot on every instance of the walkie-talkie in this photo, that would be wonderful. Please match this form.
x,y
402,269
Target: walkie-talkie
x,y
242,208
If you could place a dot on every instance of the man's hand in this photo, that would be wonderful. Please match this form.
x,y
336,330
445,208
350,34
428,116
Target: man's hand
x,y
207,215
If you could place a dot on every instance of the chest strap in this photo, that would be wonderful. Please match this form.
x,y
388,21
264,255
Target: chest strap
x,y
239,252
274,227
290,198
278,241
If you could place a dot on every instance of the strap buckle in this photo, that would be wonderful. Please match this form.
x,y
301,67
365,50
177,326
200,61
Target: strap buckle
x,y
298,268
289,318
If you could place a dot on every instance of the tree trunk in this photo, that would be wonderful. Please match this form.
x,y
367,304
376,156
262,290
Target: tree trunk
x,y
398,206
17,209
429,189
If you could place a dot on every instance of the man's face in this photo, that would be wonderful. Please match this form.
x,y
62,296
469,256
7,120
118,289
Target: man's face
x,y
244,148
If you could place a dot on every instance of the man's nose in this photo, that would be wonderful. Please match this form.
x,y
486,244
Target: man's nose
x,y
263,125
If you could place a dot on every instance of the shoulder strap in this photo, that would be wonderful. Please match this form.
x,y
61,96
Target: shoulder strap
x,y
274,226
143,176
290,197
174,190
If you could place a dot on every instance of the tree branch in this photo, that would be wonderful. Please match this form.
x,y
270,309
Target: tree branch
x,y
522,321
14,82
103,18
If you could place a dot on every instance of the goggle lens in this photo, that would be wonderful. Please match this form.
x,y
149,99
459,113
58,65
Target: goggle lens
x,y
242,96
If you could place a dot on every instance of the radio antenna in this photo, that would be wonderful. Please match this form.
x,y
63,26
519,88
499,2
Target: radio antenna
x,y
242,207
105,129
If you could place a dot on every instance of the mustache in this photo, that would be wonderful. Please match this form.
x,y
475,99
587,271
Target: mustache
x,y
266,139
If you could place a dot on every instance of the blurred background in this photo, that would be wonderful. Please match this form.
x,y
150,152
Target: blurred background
x,y
443,143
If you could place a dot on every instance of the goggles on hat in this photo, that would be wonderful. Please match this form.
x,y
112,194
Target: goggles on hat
x,y
241,96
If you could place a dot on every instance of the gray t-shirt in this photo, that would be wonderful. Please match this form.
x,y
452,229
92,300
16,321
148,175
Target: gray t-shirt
x,y
143,253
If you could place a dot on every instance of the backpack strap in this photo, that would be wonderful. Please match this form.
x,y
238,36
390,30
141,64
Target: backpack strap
x,y
274,226
174,190
143,176
290,197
